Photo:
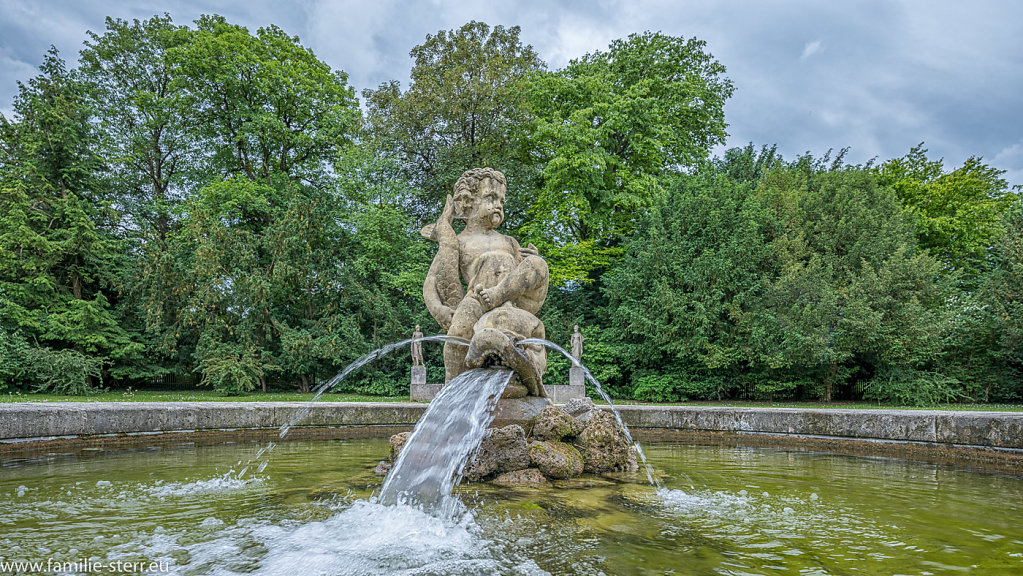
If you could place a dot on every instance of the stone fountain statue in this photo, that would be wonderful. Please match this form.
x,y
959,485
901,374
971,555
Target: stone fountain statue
x,y
506,286
529,439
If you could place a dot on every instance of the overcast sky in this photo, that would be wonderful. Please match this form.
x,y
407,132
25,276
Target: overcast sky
x,y
877,77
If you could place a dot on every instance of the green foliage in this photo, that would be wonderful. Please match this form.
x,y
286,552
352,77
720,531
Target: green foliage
x,y
64,371
142,113
678,386
957,212
608,127
771,385
464,108
253,256
985,345
1004,287
59,254
388,267
896,385
854,293
230,369
13,366
747,164
261,263
42,369
689,290
262,105
773,280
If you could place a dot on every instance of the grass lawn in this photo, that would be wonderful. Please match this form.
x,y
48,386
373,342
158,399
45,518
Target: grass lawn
x,y
211,396
993,407
195,396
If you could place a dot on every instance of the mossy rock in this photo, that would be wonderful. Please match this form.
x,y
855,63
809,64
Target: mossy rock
x,y
397,443
502,450
553,423
604,445
526,477
556,459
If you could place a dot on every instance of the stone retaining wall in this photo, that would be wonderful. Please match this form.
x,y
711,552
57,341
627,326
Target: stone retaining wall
x,y
963,428
20,422
47,420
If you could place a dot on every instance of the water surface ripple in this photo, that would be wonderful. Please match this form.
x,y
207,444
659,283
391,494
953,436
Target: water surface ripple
x,y
721,510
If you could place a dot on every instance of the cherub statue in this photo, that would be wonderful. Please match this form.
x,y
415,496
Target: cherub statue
x,y
507,285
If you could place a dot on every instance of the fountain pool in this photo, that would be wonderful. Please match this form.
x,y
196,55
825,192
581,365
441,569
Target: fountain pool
x,y
722,510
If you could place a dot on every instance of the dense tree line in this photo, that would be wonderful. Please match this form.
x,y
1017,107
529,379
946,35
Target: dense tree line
x,y
207,205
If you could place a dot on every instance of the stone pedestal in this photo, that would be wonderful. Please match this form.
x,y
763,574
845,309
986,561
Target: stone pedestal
x,y
576,387
420,390
576,377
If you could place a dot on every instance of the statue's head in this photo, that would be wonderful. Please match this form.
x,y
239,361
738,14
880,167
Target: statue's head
x,y
480,194
576,327
417,327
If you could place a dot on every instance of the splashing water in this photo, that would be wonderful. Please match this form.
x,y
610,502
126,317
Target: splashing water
x,y
600,390
430,464
329,385
261,459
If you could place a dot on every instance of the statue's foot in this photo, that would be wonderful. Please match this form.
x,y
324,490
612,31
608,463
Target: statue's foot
x,y
486,297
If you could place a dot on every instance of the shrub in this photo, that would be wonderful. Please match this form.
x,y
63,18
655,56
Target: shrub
x,y
912,387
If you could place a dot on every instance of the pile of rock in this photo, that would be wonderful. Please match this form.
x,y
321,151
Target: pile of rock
x,y
561,442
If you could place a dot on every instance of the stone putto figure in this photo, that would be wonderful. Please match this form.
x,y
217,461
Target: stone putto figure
x,y
505,286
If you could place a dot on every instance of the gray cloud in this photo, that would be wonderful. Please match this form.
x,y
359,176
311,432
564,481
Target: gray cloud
x,y
875,76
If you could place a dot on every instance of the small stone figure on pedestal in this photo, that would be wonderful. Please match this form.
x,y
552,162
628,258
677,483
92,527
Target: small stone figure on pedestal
x,y
577,344
576,387
417,347
419,390
576,378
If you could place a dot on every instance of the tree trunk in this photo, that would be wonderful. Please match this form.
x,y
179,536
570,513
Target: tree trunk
x,y
829,382
262,383
304,386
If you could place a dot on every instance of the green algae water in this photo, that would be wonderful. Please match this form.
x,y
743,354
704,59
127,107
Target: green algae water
x,y
183,509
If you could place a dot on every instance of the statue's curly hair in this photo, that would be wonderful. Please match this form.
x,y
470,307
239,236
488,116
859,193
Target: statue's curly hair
x,y
471,178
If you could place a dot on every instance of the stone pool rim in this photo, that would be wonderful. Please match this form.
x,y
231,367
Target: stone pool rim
x,y
982,438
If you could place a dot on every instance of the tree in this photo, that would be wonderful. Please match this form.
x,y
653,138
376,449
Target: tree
x,y
747,164
245,290
854,296
263,105
142,114
263,285
1004,288
985,344
59,256
152,158
957,212
684,301
464,108
609,127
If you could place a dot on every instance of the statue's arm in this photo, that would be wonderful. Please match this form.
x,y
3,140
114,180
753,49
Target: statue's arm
x,y
443,290
441,297
520,252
